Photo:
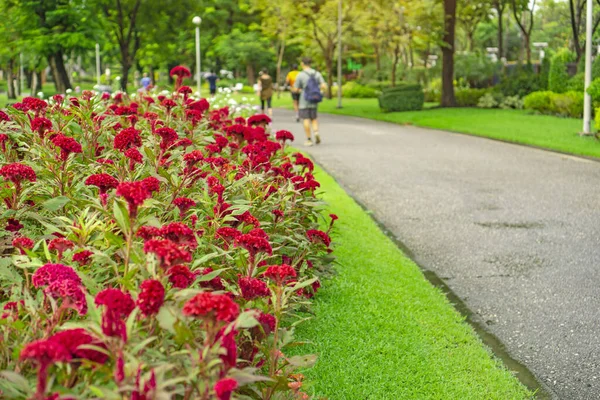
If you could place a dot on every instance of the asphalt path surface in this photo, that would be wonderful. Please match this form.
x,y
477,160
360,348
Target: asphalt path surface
x,y
513,231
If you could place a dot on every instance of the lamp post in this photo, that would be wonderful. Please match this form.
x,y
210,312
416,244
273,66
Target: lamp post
x,y
339,65
98,64
197,21
587,99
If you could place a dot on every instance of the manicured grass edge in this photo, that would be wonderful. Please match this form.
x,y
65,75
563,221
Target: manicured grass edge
x,y
382,331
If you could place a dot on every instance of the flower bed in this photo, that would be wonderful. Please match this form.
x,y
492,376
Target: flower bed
x,y
153,249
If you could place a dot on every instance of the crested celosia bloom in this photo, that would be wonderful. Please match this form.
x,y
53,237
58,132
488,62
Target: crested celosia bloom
x,y
71,292
127,138
254,244
148,232
151,297
45,353
317,236
104,182
67,145
267,321
184,204
280,273
134,193
134,156
180,276
74,339
3,141
179,233
180,72
168,136
50,273
4,117
35,104
60,245
83,257
284,135
151,184
41,125
201,105
259,119
118,305
22,243
252,288
212,306
224,388
17,172
167,252
13,225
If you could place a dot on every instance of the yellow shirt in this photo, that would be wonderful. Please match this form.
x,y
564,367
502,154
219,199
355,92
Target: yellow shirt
x,y
291,77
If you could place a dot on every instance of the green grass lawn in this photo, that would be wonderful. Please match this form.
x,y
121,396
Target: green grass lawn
x,y
381,331
517,126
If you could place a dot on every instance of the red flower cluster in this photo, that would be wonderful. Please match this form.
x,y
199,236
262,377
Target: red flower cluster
x,y
69,291
317,236
22,243
212,306
127,138
225,387
254,244
135,193
50,273
179,233
82,257
215,283
180,276
168,135
252,288
104,182
17,172
184,204
168,253
259,119
73,339
67,145
118,305
284,135
60,245
41,125
151,297
280,273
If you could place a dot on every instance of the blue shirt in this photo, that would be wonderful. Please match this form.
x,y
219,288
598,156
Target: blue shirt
x,y
146,81
212,81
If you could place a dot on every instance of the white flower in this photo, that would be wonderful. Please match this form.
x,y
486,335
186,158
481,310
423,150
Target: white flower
x,y
69,91
40,95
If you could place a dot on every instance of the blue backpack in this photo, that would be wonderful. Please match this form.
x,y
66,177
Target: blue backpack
x,y
312,91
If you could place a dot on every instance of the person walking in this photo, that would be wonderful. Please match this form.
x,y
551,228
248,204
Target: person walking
x,y
290,79
309,85
265,90
145,81
212,79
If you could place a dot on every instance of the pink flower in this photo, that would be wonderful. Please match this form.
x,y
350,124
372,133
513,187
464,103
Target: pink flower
x,y
151,297
50,273
82,257
280,273
224,388
60,245
70,291
22,243
180,276
212,306
73,339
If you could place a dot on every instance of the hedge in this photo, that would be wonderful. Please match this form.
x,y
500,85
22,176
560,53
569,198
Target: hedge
x,y
469,97
569,104
403,97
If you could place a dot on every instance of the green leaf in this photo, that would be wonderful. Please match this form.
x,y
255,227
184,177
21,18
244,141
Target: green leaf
x,y
56,203
121,216
211,275
303,361
166,319
205,259
247,319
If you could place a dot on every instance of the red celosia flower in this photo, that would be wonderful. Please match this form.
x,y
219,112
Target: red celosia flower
x,y
317,236
305,162
41,125
4,117
180,72
201,105
17,172
184,204
252,288
148,232
179,233
258,119
254,244
127,138
135,193
193,158
168,104
193,115
228,344
225,387
67,145
310,185
118,306
185,91
180,276
278,213
267,321
151,297
105,161
70,291
284,135
22,243
60,245
168,135
151,184
134,155
213,306
185,142
333,217
82,257
167,252
45,353
13,225
104,182
249,219
49,273
215,283
73,339
280,273
151,116
35,104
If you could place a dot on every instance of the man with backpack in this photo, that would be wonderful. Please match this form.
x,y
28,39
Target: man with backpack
x,y
309,83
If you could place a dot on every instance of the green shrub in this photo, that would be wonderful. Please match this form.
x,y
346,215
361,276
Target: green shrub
x,y
475,68
540,102
569,104
377,85
488,100
577,82
354,90
512,102
247,89
469,97
597,119
403,97
522,82
558,78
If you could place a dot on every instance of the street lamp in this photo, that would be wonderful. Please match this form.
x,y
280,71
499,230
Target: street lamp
x,y
197,20
339,66
587,99
98,64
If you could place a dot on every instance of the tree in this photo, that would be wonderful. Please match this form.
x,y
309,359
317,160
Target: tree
x,y
523,11
500,6
577,19
470,15
448,99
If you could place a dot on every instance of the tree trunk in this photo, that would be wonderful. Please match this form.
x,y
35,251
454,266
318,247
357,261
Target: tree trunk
x,y
59,72
279,62
575,31
395,63
10,87
329,68
526,40
500,11
125,67
250,74
36,82
471,41
377,61
448,99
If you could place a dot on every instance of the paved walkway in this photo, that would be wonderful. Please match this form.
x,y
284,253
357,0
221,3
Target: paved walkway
x,y
513,231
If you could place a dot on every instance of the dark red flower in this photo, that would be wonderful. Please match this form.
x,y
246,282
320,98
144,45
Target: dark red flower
x,y
252,288
168,104
180,71
151,297
267,321
17,172
254,244
23,243
280,273
258,119
184,204
67,145
127,138
45,352
104,182
151,184
70,291
148,232
82,257
118,305
317,236
212,306
168,135
224,388
49,273
35,104
201,105
180,276
3,141
185,90
134,155
135,193
73,339
13,225
41,125
185,142
284,135
60,245
227,338
179,233
167,252
215,283
4,117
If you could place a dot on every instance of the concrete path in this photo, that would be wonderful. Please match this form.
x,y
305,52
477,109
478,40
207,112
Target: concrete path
x,y
513,231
